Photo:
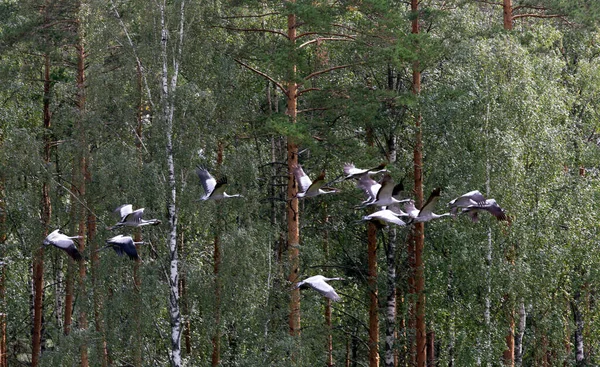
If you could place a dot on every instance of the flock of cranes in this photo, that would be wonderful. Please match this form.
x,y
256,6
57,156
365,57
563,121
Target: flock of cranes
x,y
384,194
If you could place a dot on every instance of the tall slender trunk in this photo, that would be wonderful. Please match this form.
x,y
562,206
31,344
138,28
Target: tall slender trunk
x,y
81,177
168,106
391,334
418,231
329,339
431,349
3,236
578,320
373,295
509,352
507,12
185,308
519,335
216,339
293,214
46,213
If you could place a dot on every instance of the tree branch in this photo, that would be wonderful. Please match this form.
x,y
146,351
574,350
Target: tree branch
x,y
325,34
301,92
317,73
326,39
254,30
263,75
250,16
537,16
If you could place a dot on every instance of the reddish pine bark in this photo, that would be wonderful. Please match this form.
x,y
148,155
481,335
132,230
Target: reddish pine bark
x,y
293,215
329,360
418,234
507,12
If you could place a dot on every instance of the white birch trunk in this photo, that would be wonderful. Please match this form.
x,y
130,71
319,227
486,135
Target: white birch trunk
x,y
168,92
519,335
390,313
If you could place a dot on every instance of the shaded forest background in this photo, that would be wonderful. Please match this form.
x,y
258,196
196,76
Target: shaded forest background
x,y
111,103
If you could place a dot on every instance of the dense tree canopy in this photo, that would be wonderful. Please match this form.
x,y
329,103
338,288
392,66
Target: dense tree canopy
x,y
119,102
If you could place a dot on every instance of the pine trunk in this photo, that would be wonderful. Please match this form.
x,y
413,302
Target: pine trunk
x,y
507,12
3,236
329,339
418,233
216,339
373,295
46,212
293,215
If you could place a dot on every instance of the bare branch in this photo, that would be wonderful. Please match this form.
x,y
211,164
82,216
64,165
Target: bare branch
x,y
317,73
488,2
537,16
254,30
263,75
137,59
314,109
325,34
317,40
301,92
250,16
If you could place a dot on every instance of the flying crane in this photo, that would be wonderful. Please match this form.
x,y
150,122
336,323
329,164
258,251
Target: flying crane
x,y
213,189
319,283
65,243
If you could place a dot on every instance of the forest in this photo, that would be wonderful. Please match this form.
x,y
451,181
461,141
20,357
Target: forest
x,y
111,106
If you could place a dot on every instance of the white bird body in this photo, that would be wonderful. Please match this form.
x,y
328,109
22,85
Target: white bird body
x,y
124,244
426,213
65,243
308,188
370,187
386,215
470,198
132,218
386,194
319,283
490,205
351,171
213,189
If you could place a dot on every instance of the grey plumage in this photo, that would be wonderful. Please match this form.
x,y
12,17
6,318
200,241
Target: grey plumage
x,y
65,243
319,283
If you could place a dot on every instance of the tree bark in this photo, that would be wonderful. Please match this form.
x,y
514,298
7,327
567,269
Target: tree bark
x,y
418,233
431,349
167,100
3,236
216,339
391,334
519,335
509,353
293,215
507,12
578,319
373,295
329,339
46,213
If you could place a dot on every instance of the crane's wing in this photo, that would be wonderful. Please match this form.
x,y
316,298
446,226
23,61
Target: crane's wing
x,y
388,216
207,181
369,186
431,201
387,187
314,187
220,187
326,290
64,243
302,179
135,216
410,209
351,170
470,198
124,210
494,209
